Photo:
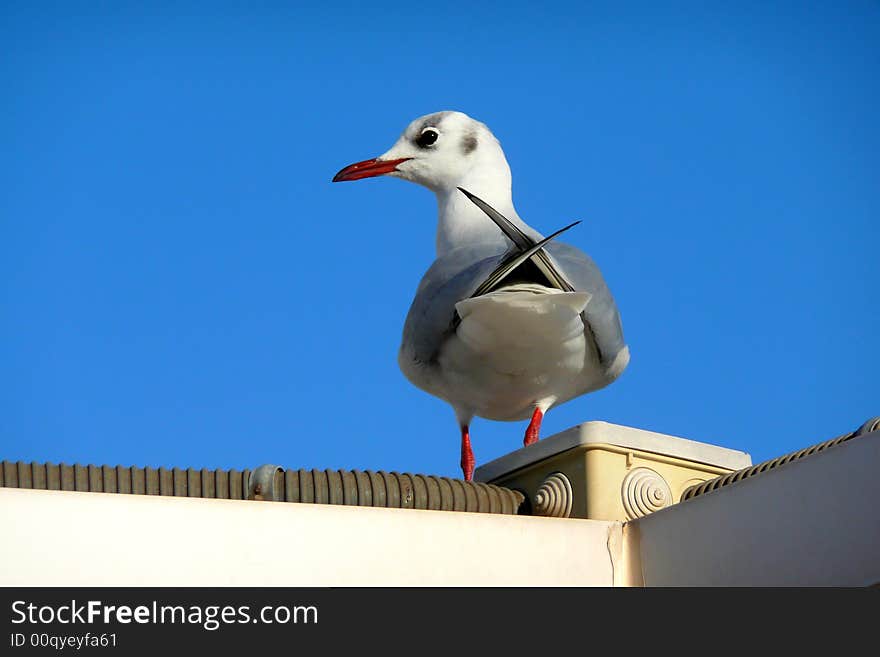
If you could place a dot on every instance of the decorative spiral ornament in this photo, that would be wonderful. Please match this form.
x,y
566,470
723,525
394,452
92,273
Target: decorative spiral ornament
x,y
553,497
643,492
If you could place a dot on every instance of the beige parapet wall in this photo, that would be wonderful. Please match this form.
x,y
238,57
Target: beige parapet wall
x,y
63,538
811,519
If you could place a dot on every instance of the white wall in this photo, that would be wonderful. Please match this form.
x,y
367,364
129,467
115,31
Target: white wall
x,y
811,522
96,539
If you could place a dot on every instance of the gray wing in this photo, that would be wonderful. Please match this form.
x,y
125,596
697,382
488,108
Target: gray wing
x,y
512,261
459,273
474,269
451,278
601,314
568,268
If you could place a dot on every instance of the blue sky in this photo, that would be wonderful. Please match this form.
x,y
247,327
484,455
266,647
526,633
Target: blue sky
x,y
183,286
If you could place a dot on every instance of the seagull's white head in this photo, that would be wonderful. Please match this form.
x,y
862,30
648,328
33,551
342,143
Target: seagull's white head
x,y
441,151
446,151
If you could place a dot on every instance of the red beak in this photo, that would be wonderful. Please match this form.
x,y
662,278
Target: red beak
x,y
368,169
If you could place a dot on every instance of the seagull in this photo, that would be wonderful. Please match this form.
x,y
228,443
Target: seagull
x,y
506,323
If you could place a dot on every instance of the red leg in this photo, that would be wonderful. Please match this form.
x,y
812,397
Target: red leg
x,y
467,454
532,433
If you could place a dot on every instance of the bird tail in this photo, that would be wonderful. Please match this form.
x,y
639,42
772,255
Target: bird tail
x,y
521,316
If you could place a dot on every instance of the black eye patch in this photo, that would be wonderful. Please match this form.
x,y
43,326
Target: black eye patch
x,y
427,138
468,143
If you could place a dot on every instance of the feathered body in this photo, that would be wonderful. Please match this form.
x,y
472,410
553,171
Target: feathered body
x,y
547,333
